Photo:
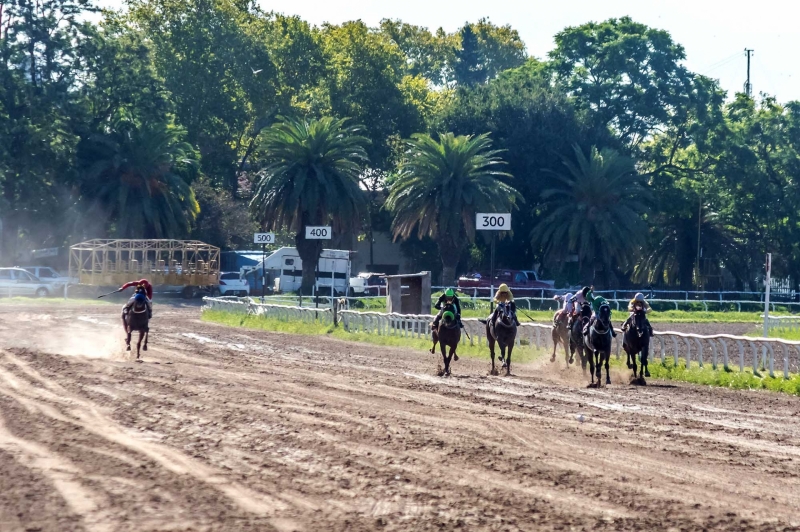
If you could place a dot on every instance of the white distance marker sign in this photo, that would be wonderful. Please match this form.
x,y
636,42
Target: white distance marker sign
x,y
493,221
318,232
264,238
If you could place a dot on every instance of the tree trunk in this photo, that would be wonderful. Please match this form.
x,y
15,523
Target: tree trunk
x,y
450,253
309,251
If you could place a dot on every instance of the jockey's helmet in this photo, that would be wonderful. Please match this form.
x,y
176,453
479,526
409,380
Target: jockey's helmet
x,y
140,298
449,293
639,297
504,288
586,290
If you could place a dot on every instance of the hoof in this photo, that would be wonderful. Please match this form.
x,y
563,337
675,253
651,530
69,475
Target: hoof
x,y
553,358
439,372
431,351
571,360
144,348
128,348
629,365
139,360
508,372
647,373
494,372
592,385
608,380
455,357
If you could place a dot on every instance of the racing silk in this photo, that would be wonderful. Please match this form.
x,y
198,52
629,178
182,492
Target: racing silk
x,y
633,302
596,302
580,299
569,306
443,302
129,305
148,288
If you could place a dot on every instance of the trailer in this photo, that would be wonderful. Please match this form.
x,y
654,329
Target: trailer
x,y
170,265
283,271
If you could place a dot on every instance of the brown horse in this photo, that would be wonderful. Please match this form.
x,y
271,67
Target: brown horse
x,y
560,334
447,335
502,332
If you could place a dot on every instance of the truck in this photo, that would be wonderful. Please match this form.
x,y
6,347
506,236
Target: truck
x,y
284,272
368,284
519,280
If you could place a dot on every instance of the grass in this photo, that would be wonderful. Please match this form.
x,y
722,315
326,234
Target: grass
x,y
725,378
522,354
705,376
785,334
49,301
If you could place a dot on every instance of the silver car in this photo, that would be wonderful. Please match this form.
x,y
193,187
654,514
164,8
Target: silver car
x,y
18,282
49,276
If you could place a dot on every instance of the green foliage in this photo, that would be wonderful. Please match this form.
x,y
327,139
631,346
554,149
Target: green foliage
x,y
440,188
595,211
138,176
310,177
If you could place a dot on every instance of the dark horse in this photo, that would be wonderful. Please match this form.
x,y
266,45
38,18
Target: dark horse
x,y
576,343
136,318
447,336
504,332
560,334
598,342
637,340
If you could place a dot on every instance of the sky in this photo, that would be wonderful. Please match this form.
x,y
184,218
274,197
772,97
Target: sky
x,y
714,33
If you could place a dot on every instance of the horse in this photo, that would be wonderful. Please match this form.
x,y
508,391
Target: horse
x,y
598,342
637,340
447,335
560,334
136,319
504,333
576,343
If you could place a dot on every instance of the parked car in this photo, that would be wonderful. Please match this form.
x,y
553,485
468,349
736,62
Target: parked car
x,y
367,284
49,276
515,279
18,282
232,284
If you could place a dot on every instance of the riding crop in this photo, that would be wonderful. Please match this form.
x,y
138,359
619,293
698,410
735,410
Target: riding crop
x,y
110,293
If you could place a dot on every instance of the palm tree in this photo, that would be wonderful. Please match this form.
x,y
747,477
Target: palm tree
x,y
596,212
441,186
137,177
310,177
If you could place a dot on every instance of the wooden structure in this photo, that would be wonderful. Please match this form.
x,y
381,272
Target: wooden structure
x,y
415,299
162,262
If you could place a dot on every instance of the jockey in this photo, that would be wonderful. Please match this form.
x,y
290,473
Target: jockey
x,y
137,298
639,300
448,298
148,288
596,302
504,295
568,307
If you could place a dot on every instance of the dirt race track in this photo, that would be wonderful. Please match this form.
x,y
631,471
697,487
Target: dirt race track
x,y
223,429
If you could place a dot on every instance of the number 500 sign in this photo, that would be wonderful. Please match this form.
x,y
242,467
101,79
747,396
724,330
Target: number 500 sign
x,y
493,221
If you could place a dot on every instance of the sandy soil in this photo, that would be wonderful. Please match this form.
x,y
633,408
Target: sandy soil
x,y
223,429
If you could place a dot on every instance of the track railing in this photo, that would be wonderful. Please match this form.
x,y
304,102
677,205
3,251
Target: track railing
x,y
280,312
720,350
786,323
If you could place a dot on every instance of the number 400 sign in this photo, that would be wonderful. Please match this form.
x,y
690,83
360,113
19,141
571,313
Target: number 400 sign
x,y
493,221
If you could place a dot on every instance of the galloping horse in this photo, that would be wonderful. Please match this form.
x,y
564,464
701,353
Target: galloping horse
x,y
504,332
637,340
576,342
560,334
136,317
598,342
447,336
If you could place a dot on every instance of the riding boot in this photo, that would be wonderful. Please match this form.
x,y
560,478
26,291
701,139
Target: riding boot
x,y
516,320
460,323
613,332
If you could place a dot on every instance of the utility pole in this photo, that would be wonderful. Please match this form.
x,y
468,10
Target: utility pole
x,y
748,87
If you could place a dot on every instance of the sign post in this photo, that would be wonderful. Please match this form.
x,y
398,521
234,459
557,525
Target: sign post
x,y
318,232
263,239
766,294
492,222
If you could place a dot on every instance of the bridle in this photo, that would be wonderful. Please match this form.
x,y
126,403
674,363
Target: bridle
x,y
606,323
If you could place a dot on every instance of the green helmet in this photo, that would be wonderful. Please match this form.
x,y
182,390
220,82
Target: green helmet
x,y
449,293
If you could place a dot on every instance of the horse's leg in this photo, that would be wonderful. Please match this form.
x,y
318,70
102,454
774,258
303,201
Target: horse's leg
x,y
128,333
435,337
645,355
503,354
598,366
554,334
445,358
146,336
139,345
632,362
490,341
508,359
590,356
607,356
452,355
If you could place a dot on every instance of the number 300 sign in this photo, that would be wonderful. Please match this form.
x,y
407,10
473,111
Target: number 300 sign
x,y
493,221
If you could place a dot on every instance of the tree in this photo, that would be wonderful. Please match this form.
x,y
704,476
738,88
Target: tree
x,y
427,54
441,186
137,178
468,69
484,50
596,212
310,177
627,74
223,221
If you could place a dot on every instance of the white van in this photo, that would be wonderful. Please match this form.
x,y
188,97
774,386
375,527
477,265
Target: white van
x,y
284,270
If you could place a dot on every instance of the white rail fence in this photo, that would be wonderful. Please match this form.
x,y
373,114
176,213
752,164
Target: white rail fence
x,y
720,350
785,323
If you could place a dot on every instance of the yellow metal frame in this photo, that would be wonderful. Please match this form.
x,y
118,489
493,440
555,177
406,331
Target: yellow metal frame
x,y
162,262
